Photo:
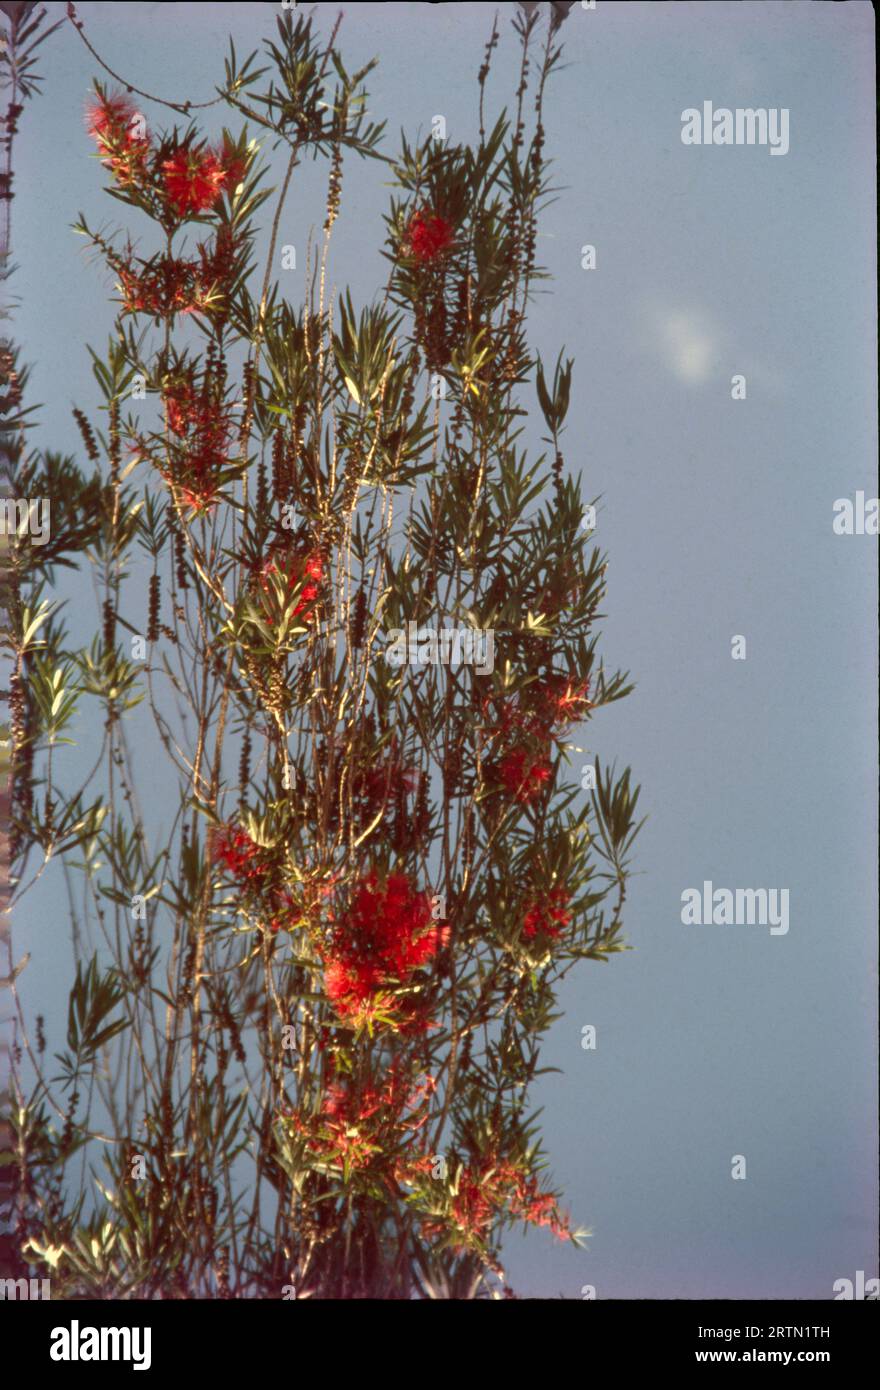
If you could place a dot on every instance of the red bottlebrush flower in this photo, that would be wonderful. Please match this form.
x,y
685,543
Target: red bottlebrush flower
x,y
170,285
109,120
357,1122
394,922
428,236
473,1208
314,570
234,165
350,987
504,714
108,114
490,1188
255,871
217,261
484,1188
540,709
194,180
384,783
244,860
164,287
410,1170
180,408
286,914
523,774
539,1208
562,699
198,500
548,917
297,570
197,416
386,935
112,121
203,427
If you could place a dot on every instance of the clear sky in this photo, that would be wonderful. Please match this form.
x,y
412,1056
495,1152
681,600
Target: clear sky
x,y
713,1040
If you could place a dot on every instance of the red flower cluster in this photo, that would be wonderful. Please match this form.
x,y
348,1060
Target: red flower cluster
x,y
523,774
169,285
188,181
255,872
193,180
356,1122
375,784
548,917
541,709
113,123
298,572
564,701
490,1188
528,724
163,288
217,260
385,936
109,118
242,858
383,783
204,427
428,236
539,1208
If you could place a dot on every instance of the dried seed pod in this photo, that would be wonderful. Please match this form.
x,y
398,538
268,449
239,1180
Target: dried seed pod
x,y
88,435
109,625
180,560
278,488
244,765
359,619
422,817
153,626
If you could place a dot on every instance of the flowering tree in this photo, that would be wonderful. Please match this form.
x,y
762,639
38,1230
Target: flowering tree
x,y
309,1004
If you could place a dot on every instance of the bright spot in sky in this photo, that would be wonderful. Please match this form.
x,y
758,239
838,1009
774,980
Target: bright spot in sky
x,y
688,345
